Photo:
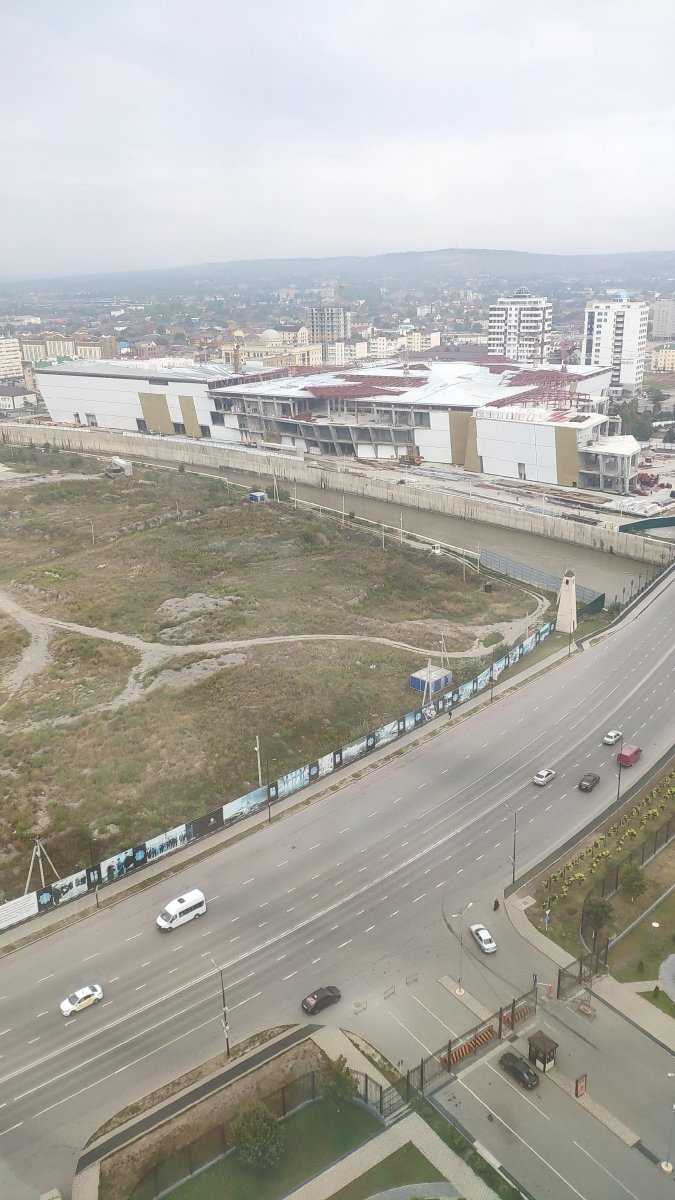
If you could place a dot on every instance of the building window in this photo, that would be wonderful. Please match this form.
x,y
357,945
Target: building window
x,y
178,427
521,471
217,418
91,420
423,420
205,430
142,426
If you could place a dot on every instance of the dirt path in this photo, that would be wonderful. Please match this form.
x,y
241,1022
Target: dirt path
x,y
155,655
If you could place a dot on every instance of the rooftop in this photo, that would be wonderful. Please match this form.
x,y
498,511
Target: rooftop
x,y
175,369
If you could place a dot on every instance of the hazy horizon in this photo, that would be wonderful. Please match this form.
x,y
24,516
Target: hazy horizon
x,y
149,142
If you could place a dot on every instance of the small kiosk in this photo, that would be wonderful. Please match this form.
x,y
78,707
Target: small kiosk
x,y
542,1051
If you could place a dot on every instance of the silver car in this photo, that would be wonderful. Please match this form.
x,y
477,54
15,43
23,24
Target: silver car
x,y
483,938
612,737
543,777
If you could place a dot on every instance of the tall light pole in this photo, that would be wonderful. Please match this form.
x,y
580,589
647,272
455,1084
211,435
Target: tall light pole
x,y
667,1164
459,990
226,1023
618,782
257,752
512,857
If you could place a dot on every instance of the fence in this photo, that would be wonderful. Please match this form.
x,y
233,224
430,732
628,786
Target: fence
x,y
134,858
611,881
580,973
208,1149
534,575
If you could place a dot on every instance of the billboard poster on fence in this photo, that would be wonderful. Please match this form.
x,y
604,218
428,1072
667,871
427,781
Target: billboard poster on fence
x,y
70,887
482,680
17,910
326,765
499,665
409,721
386,733
243,806
202,826
545,631
293,781
529,643
353,751
514,655
119,865
465,691
164,843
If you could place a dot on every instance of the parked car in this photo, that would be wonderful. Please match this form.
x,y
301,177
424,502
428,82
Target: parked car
x,y
628,756
520,1069
83,998
588,782
483,938
612,737
320,999
543,777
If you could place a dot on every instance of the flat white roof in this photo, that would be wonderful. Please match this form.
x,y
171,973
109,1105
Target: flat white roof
x,y
180,370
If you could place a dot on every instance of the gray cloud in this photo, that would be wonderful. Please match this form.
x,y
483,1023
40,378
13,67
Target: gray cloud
x,y
145,133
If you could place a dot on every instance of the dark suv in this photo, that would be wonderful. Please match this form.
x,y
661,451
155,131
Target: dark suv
x,y
588,782
320,999
519,1068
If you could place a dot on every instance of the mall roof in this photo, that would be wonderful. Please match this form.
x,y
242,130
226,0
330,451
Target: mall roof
x,y
175,369
436,384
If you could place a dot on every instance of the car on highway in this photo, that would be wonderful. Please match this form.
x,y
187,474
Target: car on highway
x,y
520,1069
483,938
543,777
322,998
612,737
83,998
628,755
588,781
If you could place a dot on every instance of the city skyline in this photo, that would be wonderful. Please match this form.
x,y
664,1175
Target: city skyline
x,y
143,143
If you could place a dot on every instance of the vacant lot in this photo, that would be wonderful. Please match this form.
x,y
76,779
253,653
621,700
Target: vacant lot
x,y
141,715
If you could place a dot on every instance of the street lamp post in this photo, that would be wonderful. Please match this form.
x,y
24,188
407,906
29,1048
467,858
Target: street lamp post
x,y
512,857
257,754
226,1023
667,1164
618,782
459,990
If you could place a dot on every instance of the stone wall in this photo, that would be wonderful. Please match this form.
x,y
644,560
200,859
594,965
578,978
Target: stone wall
x,y
325,473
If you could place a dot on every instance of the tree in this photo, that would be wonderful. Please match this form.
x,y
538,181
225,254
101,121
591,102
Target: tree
x,y
632,881
338,1082
597,915
258,1138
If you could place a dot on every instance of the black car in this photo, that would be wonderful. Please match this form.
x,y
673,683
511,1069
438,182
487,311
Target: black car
x,y
320,999
519,1067
588,782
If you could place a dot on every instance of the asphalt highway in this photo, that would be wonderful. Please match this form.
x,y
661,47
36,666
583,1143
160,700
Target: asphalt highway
x,y
351,890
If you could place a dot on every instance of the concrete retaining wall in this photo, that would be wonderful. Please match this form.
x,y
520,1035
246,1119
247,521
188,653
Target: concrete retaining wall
x,y
287,470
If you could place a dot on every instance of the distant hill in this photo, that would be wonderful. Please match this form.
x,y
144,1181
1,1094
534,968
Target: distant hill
x,y
415,268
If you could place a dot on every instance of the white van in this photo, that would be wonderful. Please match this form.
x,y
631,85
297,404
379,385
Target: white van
x,y
177,912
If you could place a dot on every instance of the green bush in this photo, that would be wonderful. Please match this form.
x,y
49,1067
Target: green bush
x,y
258,1138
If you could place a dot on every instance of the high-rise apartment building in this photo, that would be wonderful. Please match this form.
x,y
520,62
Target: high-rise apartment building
x,y
10,358
615,335
519,327
663,318
330,323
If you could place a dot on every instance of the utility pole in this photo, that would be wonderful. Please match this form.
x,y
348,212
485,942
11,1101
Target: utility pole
x,y
667,1164
515,836
226,1023
618,782
400,538
37,855
492,675
257,752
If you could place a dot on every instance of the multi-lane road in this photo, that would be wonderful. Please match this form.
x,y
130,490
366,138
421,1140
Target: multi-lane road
x,y
350,890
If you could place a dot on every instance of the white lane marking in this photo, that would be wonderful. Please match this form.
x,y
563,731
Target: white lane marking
x,y
43,980
459,870
369,929
149,963
404,844
333,928
17,1126
548,808
405,885
479,857
291,909
338,882
114,979
315,846
420,897
140,987
398,800
315,961
309,942
496,846
35,1039
4,1031
264,904
175,949
315,896
212,898
42,1014
282,957
283,863
420,786
106,1003
134,936
290,891
409,1031
365,850
383,856
262,924
522,1139
445,771
173,970
360,870
599,1164
291,976
361,911
434,1015
251,880
343,944
518,1092
233,919
346,829
373,814
206,933
394,913
313,877
234,939
441,884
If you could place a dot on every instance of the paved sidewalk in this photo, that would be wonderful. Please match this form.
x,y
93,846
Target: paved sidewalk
x,y
411,1129
334,1043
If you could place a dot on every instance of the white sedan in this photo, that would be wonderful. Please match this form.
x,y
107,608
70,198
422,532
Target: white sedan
x,y
483,938
543,777
612,737
83,998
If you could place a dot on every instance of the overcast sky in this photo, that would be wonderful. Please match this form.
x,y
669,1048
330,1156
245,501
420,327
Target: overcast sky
x,y
146,133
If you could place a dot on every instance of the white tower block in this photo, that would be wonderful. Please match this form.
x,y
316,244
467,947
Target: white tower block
x,y
566,621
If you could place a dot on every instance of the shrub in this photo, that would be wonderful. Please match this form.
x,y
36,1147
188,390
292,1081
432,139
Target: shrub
x,y
258,1138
